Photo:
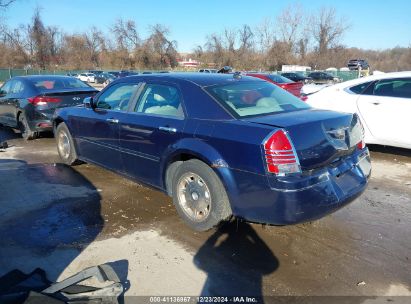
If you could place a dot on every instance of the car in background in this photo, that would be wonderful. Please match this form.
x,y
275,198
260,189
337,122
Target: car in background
x,y
208,70
28,102
322,77
114,73
87,77
297,77
126,74
193,136
96,72
104,78
382,102
72,75
356,64
284,83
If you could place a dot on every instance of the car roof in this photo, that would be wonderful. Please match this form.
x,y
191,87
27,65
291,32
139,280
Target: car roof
x,y
42,77
200,79
374,77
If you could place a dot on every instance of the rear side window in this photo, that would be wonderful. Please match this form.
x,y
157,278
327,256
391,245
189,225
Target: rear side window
x,y
362,88
18,87
44,85
160,99
257,98
399,87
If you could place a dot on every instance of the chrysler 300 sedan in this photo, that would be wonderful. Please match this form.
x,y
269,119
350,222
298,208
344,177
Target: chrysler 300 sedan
x,y
221,146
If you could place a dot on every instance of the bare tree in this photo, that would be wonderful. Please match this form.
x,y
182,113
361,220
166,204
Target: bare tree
x,y
6,3
327,30
39,36
126,34
94,40
290,24
265,35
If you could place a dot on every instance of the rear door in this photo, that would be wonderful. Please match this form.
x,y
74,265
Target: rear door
x,y
386,111
157,121
97,130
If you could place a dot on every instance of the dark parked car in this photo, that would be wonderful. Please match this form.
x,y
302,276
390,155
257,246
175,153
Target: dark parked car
x,y
105,78
126,74
356,64
284,83
274,160
28,102
297,77
320,77
95,72
114,73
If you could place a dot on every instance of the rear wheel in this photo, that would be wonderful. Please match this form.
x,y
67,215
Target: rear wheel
x,y
199,196
24,128
65,145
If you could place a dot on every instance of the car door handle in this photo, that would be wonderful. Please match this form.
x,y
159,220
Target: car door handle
x,y
376,102
112,120
168,129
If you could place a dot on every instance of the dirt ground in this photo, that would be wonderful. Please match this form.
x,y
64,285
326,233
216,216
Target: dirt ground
x,y
64,219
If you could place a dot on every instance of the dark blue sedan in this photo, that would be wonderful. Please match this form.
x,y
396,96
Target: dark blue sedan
x,y
220,145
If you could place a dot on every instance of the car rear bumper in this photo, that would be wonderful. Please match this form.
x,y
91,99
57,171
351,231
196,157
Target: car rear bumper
x,y
300,198
39,121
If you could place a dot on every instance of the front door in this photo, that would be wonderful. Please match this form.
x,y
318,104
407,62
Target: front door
x,y
97,130
156,123
386,112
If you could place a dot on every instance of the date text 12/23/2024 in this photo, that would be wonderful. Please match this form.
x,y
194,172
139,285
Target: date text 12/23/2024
x,y
204,299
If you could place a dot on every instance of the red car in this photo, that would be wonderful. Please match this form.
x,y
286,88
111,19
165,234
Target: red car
x,y
284,83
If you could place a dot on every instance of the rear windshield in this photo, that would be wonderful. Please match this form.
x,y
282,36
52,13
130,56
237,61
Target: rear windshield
x,y
53,84
255,98
279,79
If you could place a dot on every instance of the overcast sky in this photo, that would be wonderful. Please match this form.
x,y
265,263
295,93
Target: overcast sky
x,y
374,24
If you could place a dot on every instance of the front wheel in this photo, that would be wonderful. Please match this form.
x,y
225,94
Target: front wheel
x,y
199,195
65,145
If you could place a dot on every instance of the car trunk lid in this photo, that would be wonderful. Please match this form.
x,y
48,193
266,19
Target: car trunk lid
x,y
292,87
319,137
47,102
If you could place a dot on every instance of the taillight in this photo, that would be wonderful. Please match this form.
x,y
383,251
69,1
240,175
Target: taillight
x,y
361,144
43,100
280,156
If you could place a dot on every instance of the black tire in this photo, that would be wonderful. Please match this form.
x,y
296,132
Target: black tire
x,y
65,145
24,128
218,206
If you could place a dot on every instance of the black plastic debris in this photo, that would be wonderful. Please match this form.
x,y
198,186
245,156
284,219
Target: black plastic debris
x,y
17,287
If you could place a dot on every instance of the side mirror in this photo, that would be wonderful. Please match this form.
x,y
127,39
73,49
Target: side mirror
x,y
2,93
88,102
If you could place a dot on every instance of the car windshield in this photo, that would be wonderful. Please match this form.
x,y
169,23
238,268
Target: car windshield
x,y
59,83
257,98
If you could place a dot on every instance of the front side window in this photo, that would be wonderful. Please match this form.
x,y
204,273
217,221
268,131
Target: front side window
x,y
6,88
117,97
257,98
160,99
398,87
